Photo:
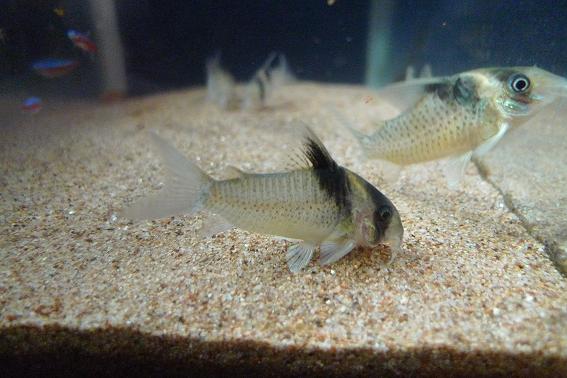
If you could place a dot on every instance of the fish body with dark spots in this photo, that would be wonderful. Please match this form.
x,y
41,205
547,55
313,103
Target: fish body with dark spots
x,y
459,116
320,203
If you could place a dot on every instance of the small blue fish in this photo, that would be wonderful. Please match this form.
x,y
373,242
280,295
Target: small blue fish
x,y
82,41
32,105
53,67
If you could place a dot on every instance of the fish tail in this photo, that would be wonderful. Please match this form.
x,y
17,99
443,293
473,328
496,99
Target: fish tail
x,y
364,140
185,191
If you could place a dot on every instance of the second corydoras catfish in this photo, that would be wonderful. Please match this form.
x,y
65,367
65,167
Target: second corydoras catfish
x,y
458,116
223,90
319,203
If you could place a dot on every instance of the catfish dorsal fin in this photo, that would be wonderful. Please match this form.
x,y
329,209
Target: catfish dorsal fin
x,y
315,152
232,172
332,178
406,94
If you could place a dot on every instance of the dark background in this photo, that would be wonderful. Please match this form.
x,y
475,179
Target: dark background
x,y
166,42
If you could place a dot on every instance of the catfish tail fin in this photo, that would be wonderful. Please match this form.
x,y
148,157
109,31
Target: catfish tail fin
x,y
185,191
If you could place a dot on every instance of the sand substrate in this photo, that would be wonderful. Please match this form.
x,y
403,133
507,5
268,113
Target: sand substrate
x,y
82,288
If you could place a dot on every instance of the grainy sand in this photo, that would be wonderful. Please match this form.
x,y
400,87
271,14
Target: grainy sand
x,y
472,292
530,168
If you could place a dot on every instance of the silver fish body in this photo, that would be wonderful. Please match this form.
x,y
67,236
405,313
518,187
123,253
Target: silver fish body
x,y
287,204
322,204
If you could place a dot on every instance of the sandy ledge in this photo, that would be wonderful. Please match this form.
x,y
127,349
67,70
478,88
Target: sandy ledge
x,y
472,293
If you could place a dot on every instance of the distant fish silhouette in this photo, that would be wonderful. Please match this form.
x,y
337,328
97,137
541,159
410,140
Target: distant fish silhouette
x,y
59,11
82,41
52,67
32,105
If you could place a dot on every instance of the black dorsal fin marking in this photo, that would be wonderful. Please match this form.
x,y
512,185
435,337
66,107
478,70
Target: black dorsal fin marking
x,y
332,177
316,153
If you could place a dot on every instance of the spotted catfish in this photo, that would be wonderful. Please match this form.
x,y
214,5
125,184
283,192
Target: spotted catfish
x,y
320,203
458,116
223,90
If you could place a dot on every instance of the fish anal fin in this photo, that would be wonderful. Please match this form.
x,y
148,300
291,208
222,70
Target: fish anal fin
x,y
389,171
299,255
334,250
455,169
213,224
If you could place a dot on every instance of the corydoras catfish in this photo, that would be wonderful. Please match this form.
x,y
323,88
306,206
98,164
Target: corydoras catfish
x,y
223,90
320,203
458,116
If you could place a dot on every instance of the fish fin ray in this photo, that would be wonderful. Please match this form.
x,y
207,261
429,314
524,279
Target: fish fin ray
x,y
213,224
492,141
299,255
232,172
426,71
364,140
185,185
455,169
389,171
296,160
311,152
283,238
406,94
332,250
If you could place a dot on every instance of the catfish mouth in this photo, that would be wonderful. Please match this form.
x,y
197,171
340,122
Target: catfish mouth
x,y
395,244
393,237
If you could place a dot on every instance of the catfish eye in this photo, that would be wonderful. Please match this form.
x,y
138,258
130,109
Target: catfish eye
x,y
385,212
519,83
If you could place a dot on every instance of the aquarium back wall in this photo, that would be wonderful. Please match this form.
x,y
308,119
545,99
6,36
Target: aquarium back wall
x,y
168,41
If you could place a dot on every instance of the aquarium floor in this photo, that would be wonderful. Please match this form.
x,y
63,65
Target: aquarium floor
x,y
80,288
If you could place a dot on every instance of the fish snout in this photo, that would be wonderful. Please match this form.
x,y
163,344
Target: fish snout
x,y
394,235
551,86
